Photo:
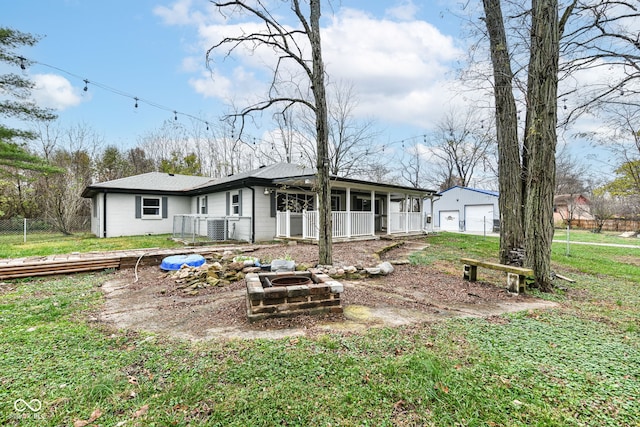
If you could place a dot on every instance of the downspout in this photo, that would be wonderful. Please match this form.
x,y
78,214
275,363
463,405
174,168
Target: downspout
x,y
104,213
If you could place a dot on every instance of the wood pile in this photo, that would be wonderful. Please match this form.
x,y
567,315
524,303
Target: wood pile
x,y
14,271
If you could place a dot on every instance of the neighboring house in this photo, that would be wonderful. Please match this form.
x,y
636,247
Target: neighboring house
x,y
276,201
570,208
466,209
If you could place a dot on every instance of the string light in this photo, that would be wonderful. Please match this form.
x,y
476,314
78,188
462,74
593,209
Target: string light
x,y
137,100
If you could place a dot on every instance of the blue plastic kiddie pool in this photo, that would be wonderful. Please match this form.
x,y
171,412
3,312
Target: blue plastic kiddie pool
x,y
174,262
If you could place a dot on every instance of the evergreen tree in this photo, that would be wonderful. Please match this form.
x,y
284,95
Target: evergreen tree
x,y
17,105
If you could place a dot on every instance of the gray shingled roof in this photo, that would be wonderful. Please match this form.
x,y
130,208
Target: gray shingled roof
x,y
154,181
163,182
275,171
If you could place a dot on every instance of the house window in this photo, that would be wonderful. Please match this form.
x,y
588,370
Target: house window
x,y
235,204
151,207
203,205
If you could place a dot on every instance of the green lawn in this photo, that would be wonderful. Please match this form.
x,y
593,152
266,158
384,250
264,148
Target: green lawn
x,y
12,248
587,236
577,365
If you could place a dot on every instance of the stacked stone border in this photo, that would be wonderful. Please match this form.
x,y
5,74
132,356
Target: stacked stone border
x,y
323,296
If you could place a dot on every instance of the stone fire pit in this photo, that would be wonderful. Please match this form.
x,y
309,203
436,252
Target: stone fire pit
x,y
291,293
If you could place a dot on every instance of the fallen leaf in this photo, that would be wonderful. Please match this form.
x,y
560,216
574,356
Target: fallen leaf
x,y
94,416
132,380
140,412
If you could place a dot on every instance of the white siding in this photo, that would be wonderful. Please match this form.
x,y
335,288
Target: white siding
x,y
265,225
122,221
459,199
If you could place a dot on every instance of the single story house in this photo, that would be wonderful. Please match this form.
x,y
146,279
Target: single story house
x,y
466,209
571,208
276,201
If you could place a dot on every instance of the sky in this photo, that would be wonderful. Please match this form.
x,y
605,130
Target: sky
x,y
401,56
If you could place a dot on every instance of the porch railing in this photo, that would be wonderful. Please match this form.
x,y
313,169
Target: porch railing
x,y
400,222
344,224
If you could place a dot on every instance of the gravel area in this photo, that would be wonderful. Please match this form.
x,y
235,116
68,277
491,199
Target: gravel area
x,y
413,293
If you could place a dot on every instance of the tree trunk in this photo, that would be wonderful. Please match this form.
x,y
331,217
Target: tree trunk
x,y
510,176
325,253
540,139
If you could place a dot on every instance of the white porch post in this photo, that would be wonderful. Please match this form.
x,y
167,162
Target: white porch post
x,y
348,208
388,207
406,213
287,226
373,212
304,224
433,220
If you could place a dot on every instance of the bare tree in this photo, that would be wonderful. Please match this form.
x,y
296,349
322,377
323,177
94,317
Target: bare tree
x,y
603,207
463,143
527,187
350,140
510,180
300,46
413,168
74,150
571,174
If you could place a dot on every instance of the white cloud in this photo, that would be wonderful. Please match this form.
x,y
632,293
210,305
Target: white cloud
x,y
54,91
400,69
188,12
405,11
399,65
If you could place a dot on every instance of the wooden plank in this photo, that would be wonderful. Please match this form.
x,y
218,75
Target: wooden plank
x,y
495,266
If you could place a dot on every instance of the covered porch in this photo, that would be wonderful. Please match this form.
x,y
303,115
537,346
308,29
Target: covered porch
x,y
355,214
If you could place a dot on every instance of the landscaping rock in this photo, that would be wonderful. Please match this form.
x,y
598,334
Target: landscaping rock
x,y
385,268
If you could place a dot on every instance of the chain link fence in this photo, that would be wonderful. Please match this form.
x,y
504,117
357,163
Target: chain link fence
x,y
22,230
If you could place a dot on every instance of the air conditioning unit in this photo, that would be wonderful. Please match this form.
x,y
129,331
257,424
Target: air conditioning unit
x,y
217,229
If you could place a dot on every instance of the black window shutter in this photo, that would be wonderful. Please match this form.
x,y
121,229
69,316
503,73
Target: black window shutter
x,y
206,205
165,210
138,207
240,202
197,205
228,203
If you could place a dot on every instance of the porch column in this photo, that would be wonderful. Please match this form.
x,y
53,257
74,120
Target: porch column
x,y
388,207
348,208
406,213
373,212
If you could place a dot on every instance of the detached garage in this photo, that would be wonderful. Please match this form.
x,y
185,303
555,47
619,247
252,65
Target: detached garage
x,y
466,209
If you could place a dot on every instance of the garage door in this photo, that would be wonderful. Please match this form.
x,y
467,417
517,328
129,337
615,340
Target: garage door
x,y
478,218
449,220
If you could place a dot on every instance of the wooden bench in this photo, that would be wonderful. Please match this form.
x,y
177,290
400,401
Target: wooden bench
x,y
516,276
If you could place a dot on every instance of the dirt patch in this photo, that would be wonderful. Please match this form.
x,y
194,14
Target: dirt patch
x,y
411,294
